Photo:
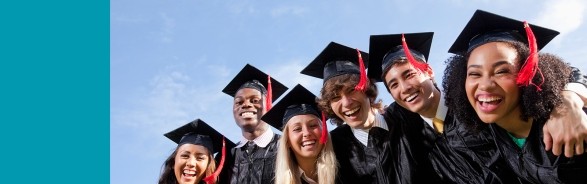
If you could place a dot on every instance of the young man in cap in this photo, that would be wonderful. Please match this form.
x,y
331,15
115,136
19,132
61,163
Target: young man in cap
x,y
254,155
458,154
369,147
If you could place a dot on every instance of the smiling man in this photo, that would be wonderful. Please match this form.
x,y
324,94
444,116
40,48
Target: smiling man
x,y
254,155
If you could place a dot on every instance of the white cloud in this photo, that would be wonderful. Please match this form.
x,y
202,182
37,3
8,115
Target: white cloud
x,y
289,74
168,28
564,16
288,10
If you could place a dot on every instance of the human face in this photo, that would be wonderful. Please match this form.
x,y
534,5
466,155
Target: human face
x,y
191,162
412,89
303,134
491,82
352,107
248,108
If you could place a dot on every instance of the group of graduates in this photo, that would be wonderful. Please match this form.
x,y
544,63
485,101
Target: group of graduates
x,y
492,123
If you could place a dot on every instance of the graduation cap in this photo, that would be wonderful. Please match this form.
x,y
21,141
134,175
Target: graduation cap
x,y
198,132
297,102
488,27
386,49
251,77
337,59
485,27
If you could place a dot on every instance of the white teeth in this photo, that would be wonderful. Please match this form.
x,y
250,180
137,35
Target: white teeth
x,y
308,143
348,113
248,114
489,99
411,97
189,172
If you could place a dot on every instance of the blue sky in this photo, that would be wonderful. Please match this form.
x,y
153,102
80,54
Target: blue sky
x,y
169,60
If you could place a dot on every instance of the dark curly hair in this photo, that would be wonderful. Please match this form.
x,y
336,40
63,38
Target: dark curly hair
x,y
535,104
347,82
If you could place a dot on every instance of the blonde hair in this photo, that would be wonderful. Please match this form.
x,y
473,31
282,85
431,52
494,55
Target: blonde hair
x,y
286,166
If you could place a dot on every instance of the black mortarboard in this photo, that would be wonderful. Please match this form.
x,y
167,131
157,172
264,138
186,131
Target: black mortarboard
x,y
199,133
488,27
298,101
335,60
251,77
384,49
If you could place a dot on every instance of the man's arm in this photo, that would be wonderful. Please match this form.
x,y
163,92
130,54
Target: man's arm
x,y
567,127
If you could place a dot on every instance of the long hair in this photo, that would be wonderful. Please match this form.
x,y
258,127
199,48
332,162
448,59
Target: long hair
x,y
168,175
286,166
534,104
346,82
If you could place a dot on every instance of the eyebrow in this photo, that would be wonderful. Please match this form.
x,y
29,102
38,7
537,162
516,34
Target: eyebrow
x,y
494,64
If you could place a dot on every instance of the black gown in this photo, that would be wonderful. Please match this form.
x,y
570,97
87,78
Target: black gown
x,y
458,155
256,168
388,157
535,165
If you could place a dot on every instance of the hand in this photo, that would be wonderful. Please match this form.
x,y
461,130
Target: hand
x,y
567,127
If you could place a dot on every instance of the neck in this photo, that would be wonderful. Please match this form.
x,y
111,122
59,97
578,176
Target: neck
x,y
515,125
430,112
370,121
251,135
308,165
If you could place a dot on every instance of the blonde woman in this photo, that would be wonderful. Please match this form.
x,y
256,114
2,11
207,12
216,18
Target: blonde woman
x,y
305,153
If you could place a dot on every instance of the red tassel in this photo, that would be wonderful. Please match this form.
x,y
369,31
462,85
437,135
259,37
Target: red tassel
x,y
269,98
324,136
212,179
423,67
362,85
529,69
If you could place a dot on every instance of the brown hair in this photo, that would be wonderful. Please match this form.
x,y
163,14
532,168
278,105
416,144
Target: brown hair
x,y
346,82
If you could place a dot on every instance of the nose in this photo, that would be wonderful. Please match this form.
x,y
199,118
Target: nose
x,y
486,83
306,132
345,100
191,162
405,87
247,104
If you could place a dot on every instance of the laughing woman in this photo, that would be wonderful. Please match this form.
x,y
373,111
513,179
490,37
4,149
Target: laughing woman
x,y
493,74
305,153
192,161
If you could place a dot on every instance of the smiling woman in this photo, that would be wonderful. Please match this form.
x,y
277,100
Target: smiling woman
x,y
192,161
491,82
305,153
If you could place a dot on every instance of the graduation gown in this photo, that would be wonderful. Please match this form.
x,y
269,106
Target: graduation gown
x,y
458,155
359,163
256,168
535,165
388,157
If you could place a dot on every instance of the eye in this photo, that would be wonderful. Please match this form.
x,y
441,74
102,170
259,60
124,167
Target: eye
x,y
184,156
502,71
410,75
238,102
297,129
393,85
335,98
255,100
473,74
201,157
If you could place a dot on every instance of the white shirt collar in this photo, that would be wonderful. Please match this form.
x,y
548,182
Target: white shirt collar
x,y
304,177
363,135
440,112
262,141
